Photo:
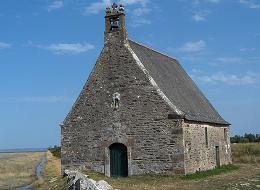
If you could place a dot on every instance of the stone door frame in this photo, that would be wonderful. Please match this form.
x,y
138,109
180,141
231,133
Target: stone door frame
x,y
107,159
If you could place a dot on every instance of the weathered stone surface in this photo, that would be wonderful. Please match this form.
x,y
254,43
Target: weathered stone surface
x,y
94,123
199,156
120,103
81,181
103,185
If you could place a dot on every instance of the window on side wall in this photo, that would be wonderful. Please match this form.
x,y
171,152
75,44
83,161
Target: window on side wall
x,y
225,135
206,137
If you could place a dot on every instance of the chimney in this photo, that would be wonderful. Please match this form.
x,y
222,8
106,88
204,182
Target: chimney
x,y
115,31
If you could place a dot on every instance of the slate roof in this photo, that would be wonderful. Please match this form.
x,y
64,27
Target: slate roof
x,y
176,84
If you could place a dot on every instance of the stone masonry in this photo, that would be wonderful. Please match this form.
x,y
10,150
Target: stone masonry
x,y
121,103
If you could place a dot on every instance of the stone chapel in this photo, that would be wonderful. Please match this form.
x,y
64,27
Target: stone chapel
x,y
140,113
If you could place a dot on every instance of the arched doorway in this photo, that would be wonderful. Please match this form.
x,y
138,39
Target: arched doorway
x,y
118,160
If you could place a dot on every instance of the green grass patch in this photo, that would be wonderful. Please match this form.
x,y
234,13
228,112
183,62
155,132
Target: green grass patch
x,y
207,173
149,178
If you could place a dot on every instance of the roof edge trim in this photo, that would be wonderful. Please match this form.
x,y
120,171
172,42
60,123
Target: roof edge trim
x,y
207,122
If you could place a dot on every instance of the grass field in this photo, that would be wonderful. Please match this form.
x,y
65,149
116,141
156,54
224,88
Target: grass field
x,y
18,169
246,177
246,153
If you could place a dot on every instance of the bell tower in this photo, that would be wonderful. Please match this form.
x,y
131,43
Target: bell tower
x,y
115,30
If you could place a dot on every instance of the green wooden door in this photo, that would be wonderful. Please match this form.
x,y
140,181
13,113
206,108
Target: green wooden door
x,y
118,160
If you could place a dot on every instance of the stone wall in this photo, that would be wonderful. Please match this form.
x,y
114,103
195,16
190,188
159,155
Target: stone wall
x,y
200,156
154,142
121,103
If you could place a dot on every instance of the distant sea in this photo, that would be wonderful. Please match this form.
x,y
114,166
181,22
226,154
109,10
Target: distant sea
x,y
23,150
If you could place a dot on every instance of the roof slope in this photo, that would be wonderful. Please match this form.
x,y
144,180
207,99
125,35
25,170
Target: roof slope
x,y
176,84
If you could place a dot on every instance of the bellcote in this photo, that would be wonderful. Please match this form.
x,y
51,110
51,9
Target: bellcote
x,y
115,29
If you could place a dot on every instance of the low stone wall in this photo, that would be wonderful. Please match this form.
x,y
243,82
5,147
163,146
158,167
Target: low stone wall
x,y
80,181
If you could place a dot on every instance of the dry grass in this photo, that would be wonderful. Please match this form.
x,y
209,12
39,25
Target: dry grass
x,y
246,153
52,167
224,181
247,174
247,177
52,170
18,169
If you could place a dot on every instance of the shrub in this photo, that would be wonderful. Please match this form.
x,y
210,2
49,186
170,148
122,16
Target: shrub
x,y
56,151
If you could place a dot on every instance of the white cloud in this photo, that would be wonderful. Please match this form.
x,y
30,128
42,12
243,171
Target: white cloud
x,y
191,47
200,8
38,99
250,3
45,99
222,61
205,1
4,45
143,3
228,60
141,11
63,48
213,1
234,60
55,5
139,22
247,49
200,16
191,58
96,7
228,79
69,48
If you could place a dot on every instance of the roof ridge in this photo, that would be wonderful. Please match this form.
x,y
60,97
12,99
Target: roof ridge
x,y
141,44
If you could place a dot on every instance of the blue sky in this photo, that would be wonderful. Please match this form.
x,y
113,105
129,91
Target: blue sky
x,y
48,48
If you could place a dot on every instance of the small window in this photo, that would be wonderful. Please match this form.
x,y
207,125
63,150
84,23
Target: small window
x,y
206,136
225,135
116,100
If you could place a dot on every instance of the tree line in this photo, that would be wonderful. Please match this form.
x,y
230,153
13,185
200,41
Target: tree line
x,y
246,138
